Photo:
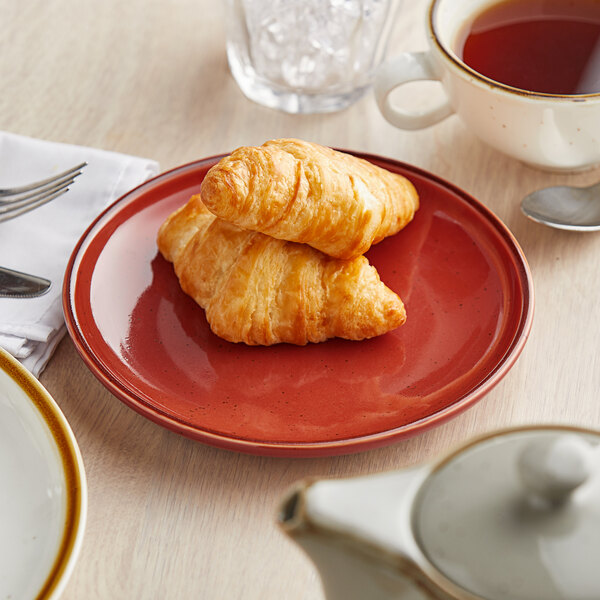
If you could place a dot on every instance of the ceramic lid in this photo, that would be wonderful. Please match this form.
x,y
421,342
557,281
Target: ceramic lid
x,y
517,516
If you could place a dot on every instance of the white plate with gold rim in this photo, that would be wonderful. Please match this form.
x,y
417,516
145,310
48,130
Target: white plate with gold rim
x,y
43,494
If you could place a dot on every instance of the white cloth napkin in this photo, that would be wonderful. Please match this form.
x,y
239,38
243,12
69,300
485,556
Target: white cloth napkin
x,y
41,242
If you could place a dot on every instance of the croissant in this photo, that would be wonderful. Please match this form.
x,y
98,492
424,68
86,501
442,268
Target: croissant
x,y
260,290
302,192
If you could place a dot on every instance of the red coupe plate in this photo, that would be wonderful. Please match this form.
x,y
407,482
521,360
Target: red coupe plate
x,y
463,278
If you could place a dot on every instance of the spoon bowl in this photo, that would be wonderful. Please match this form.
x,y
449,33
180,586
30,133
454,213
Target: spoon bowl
x,y
565,207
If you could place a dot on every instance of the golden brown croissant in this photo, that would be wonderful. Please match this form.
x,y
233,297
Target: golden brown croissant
x,y
302,192
260,290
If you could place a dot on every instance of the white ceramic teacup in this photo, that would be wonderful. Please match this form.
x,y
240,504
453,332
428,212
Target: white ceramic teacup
x,y
554,132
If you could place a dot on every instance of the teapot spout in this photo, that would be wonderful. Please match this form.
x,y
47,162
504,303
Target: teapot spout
x,y
357,532
291,516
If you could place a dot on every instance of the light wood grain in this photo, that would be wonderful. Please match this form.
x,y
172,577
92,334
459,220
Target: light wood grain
x,y
173,519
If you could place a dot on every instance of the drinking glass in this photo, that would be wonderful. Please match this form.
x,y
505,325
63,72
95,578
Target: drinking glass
x,y
307,56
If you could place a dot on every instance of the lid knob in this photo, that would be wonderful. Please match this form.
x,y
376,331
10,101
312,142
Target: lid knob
x,y
517,516
551,469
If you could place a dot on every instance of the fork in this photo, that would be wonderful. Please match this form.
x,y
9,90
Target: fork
x,y
17,201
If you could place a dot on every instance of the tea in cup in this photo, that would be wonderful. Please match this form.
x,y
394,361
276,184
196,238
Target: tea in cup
x,y
523,75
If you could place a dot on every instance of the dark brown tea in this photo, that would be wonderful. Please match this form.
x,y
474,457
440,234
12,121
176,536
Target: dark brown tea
x,y
548,46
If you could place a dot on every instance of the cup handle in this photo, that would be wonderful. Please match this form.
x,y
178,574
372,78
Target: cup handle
x,y
411,66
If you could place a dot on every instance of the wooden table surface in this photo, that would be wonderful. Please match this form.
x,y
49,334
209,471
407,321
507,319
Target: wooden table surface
x,y
168,517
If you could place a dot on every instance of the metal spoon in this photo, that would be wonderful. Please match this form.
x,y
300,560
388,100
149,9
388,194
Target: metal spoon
x,y
565,207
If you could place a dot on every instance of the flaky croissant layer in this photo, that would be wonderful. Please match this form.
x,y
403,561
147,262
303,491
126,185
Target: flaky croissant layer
x,y
261,290
303,192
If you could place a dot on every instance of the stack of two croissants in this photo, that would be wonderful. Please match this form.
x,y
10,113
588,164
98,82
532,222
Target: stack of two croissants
x,y
272,247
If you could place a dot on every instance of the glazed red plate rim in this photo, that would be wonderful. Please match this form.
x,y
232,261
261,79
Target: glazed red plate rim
x,y
117,375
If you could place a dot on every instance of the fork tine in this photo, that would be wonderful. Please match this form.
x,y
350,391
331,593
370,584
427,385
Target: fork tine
x,y
27,188
16,201
32,197
11,211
